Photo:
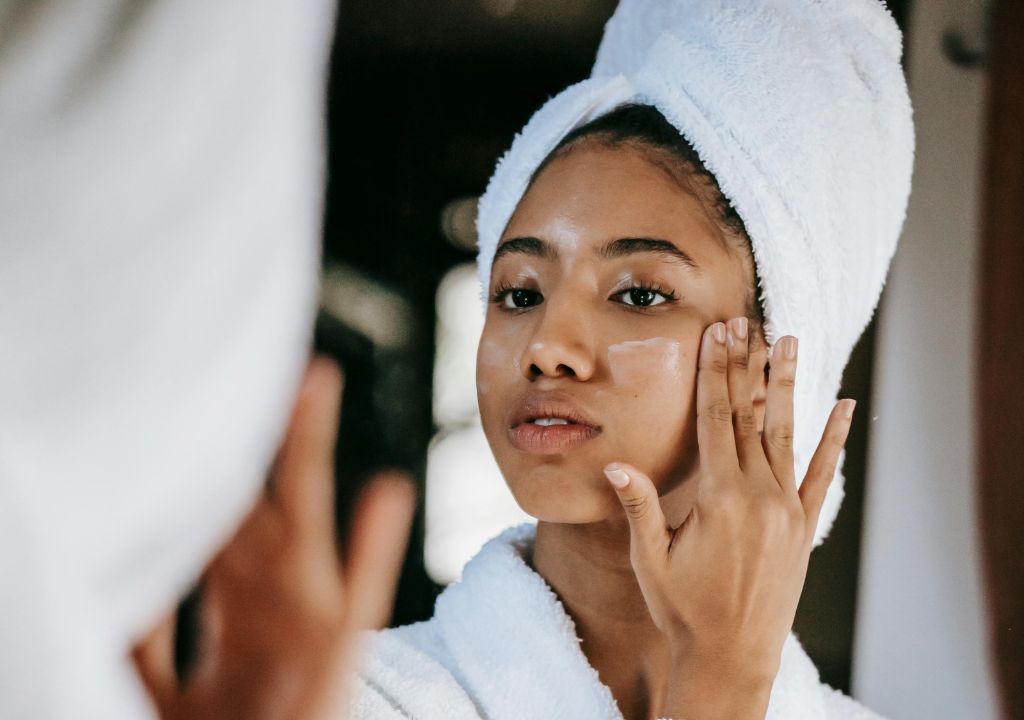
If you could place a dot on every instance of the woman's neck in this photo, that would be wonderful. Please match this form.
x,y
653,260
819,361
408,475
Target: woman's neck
x,y
588,567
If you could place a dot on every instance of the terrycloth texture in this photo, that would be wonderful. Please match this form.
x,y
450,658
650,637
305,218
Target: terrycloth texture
x,y
160,212
500,646
800,110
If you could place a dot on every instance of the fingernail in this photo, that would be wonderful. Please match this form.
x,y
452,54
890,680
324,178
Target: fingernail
x,y
739,328
848,406
708,339
719,330
617,476
791,347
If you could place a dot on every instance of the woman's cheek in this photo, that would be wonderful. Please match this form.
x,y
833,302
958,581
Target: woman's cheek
x,y
495,365
639,364
655,379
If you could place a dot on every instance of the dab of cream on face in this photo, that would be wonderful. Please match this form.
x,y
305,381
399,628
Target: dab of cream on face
x,y
638,361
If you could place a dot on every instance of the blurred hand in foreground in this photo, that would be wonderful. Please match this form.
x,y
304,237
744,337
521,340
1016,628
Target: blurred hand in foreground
x,y
280,609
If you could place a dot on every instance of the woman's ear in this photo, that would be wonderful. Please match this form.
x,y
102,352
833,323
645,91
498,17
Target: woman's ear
x,y
758,367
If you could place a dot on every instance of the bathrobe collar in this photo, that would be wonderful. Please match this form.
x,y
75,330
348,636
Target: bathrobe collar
x,y
518,653
514,644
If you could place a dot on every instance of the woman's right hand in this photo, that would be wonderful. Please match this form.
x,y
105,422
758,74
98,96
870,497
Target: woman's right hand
x,y
724,586
279,610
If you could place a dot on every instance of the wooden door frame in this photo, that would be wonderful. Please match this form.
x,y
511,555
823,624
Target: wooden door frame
x,y
1000,357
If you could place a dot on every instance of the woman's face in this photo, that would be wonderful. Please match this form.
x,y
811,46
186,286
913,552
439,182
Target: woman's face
x,y
601,287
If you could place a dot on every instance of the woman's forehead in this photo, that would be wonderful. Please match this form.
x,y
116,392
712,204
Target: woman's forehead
x,y
593,195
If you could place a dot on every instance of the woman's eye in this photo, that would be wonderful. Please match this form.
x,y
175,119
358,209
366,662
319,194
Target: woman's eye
x,y
642,297
519,298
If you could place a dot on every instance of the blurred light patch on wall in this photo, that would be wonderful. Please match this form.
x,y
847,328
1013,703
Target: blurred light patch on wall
x,y
565,13
467,501
365,305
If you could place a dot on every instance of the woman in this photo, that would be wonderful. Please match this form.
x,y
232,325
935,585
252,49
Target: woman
x,y
638,375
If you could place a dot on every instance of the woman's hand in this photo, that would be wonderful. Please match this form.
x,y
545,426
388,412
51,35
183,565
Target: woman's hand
x,y
279,611
723,587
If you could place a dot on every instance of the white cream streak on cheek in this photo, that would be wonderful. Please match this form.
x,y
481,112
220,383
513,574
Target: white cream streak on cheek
x,y
635,361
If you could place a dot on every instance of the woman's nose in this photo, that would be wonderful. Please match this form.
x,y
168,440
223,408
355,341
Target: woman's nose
x,y
559,347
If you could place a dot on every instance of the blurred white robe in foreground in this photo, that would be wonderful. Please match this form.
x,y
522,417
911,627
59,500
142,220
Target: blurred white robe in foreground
x,y
501,646
160,210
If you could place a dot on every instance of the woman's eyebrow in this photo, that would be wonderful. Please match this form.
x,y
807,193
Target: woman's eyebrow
x,y
629,246
527,246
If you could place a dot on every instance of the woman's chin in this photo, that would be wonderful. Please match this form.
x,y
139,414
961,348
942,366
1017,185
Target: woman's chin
x,y
556,498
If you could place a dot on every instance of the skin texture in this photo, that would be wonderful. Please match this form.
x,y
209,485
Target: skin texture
x,y
279,608
683,583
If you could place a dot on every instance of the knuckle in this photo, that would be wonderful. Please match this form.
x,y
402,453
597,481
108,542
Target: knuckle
x,y
837,440
636,507
775,520
795,513
718,411
739,360
745,420
716,362
782,436
724,499
787,380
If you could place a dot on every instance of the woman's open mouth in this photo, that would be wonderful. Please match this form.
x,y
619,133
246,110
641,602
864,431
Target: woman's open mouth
x,y
550,423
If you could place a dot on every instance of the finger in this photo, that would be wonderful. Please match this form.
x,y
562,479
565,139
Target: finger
x,y
777,438
648,530
154,661
823,464
376,548
304,484
748,442
243,558
214,630
714,413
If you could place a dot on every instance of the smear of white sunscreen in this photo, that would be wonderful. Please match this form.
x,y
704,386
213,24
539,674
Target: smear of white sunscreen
x,y
634,361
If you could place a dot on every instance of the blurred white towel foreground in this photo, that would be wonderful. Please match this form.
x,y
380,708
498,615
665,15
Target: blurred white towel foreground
x,y
501,646
160,206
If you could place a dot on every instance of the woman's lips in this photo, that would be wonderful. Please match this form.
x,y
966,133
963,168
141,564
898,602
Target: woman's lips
x,y
551,439
547,424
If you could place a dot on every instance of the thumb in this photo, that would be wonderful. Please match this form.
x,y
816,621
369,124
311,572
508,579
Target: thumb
x,y
648,531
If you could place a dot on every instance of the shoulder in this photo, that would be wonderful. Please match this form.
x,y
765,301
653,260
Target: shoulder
x,y
402,674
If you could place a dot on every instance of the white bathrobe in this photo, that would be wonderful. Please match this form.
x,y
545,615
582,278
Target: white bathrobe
x,y
501,646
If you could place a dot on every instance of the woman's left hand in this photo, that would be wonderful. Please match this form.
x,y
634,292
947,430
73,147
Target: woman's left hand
x,y
724,586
